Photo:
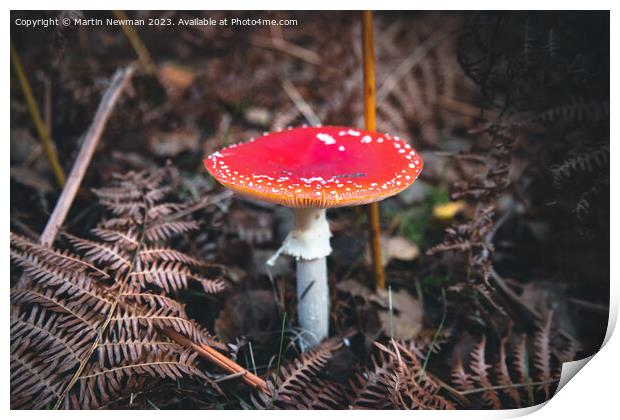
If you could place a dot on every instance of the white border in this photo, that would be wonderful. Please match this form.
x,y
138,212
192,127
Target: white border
x,y
593,394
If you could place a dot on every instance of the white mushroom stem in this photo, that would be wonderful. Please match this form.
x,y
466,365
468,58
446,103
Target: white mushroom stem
x,y
313,300
308,243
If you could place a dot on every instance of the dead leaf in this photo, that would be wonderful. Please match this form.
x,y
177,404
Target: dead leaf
x,y
356,289
395,248
258,116
170,144
406,319
400,248
446,212
175,79
252,314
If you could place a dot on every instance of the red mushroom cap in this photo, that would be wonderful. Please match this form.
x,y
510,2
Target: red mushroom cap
x,y
318,167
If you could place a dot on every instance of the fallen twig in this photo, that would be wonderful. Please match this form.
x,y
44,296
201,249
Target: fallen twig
x,y
119,80
497,387
286,48
589,306
220,360
499,280
91,138
278,43
300,103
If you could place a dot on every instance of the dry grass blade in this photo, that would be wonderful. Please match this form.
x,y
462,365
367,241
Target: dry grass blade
x,y
42,131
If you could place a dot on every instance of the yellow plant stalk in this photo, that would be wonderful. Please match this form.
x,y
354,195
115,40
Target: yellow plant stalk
x,y
46,140
370,123
137,44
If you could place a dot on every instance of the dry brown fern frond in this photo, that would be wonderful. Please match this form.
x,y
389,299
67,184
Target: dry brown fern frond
x,y
369,386
588,160
63,259
168,255
577,112
299,384
87,330
411,387
166,230
101,384
485,179
512,375
419,73
397,379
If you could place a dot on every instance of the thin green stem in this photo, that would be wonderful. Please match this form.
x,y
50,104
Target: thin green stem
x,y
436,335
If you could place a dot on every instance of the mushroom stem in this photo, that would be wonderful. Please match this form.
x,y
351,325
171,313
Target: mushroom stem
x,y
308,242
313,300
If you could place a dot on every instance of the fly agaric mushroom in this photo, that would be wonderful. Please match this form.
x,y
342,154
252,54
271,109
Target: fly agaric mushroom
x,y
312,169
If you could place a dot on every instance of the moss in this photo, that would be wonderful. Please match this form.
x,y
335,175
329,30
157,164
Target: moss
x,y
432,283
416,223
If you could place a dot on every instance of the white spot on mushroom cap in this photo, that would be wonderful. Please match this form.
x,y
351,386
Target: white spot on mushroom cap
x,y
326,138
309,180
